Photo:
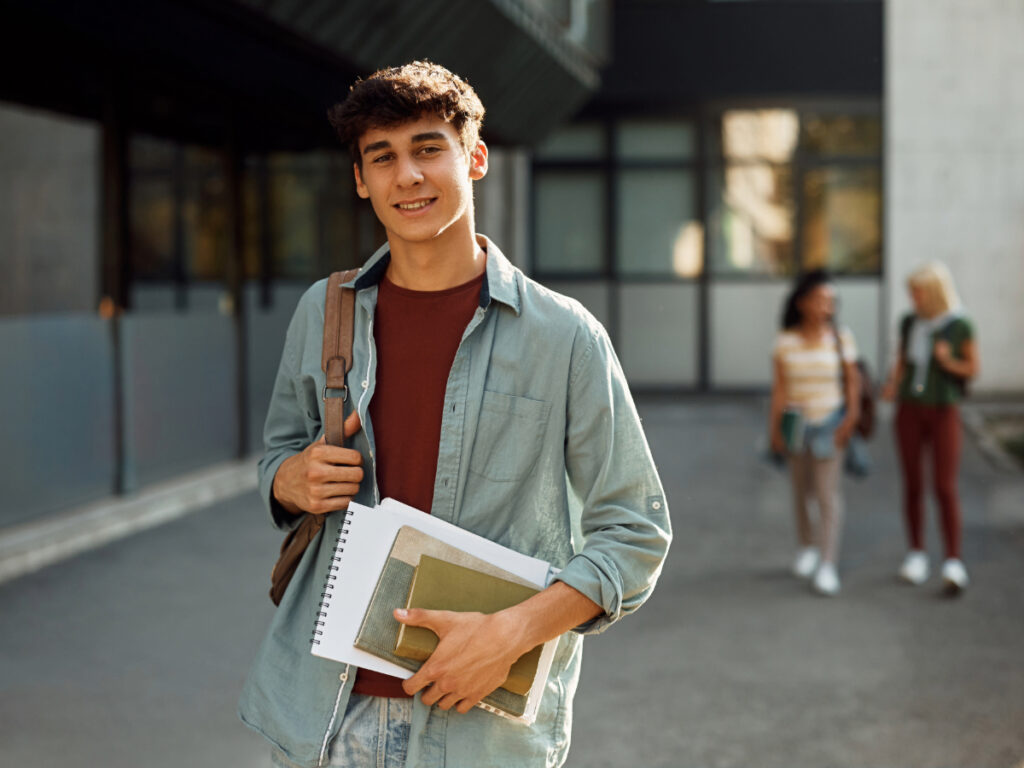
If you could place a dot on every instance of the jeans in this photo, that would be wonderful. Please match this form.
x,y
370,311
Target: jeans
x,y
374,734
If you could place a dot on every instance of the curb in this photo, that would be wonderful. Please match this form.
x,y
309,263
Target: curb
x,y
31,546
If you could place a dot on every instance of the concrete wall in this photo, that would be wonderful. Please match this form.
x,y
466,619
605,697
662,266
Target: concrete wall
x,y
954,106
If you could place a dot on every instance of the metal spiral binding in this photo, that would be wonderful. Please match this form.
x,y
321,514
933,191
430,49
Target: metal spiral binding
x,y
332,576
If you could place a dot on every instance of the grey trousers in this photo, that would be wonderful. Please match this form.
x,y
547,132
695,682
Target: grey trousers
x,y
818,480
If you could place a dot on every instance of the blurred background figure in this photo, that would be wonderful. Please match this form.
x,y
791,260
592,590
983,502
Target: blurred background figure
x,y
813,413
936,357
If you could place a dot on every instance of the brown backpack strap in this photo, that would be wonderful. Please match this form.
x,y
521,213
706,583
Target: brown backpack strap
x,y
336,361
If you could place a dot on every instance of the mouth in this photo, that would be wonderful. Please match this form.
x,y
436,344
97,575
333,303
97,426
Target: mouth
x,y
415,205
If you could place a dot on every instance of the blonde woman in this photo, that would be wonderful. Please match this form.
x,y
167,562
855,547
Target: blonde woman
x,y
936,356
813,383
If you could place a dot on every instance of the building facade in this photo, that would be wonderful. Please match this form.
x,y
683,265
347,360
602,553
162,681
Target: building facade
x,y
172,186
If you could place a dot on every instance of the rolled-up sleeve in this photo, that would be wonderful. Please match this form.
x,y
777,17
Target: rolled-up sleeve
x,y
624,519
286,431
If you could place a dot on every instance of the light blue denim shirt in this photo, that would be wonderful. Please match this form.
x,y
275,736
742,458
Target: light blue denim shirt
x,y
541,450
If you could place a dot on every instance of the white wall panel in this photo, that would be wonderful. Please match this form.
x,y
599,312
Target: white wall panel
x,y
658,333
954,106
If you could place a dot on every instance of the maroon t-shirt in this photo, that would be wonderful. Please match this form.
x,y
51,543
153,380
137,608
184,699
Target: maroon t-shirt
x,y
417,335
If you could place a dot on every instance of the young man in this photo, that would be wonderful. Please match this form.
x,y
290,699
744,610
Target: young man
x,y
480,397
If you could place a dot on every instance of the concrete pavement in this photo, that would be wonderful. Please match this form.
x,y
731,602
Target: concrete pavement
x,y
133,654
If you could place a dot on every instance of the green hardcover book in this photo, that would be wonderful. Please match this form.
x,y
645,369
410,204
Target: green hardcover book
x,y
793,430
442,586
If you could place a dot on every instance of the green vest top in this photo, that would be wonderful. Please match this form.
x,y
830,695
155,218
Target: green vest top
x,y
940,387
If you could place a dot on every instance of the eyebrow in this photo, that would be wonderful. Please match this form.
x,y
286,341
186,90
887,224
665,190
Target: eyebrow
x,y
417,139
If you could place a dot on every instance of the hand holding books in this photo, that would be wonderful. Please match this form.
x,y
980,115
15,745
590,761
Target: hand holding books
x,y
375,558
474,654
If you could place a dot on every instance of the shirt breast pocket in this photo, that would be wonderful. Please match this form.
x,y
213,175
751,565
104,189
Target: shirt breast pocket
x,y
509,436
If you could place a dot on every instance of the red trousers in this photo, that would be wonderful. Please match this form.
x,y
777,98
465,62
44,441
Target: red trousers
x,y
937,426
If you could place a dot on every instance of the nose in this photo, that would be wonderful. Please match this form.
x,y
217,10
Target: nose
x,y
409,174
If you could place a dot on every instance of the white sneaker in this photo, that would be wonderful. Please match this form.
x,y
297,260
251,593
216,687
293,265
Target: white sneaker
x,y
805,563
915,567
954,575
826,581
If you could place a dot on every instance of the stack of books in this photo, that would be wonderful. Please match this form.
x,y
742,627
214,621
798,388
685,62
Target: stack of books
x,y
393,556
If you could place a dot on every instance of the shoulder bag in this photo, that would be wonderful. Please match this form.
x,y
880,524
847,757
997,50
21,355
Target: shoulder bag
x,y
336,361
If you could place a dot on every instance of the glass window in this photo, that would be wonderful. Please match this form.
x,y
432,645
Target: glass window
x,y
658,229
842,218
570,221
582,141
152,227
293,224
752,218
205,215
655,140
761,134
859,135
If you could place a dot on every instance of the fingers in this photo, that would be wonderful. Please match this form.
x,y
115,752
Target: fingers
x,y
352,424
436,621
334,454
448,701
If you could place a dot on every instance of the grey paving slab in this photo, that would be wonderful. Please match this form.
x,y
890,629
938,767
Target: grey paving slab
x,y
735,663
133,654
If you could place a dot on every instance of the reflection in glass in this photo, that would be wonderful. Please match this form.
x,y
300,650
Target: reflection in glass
x,y
760,134
658,230
842,134
152,227
752,216
655,140
581,141
842,219
205,215
570,221
293,211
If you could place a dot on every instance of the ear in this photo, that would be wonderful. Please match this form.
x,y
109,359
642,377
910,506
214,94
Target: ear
x,y
478,161
361,188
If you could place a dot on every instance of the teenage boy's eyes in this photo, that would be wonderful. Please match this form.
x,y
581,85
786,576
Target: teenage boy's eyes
x,y
428,151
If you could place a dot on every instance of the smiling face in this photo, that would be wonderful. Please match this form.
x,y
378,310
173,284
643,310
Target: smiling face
x,y
818,304
419,180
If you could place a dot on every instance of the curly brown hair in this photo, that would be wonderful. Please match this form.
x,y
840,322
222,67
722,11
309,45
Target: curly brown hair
x,y
397,95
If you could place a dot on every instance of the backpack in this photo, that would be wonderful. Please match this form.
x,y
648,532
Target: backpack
x,y
865,387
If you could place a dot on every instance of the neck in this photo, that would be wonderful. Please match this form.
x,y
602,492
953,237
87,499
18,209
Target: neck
x,y
809,326
453,258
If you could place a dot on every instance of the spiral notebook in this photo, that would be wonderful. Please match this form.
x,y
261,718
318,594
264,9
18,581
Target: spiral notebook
x,y
364,541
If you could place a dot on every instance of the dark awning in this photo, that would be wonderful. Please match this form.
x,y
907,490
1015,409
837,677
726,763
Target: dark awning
x,y
265,71
529,76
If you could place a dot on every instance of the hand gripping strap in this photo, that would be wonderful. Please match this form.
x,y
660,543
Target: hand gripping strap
x,y
336,360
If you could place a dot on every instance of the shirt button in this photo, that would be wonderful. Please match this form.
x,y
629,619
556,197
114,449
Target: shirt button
x,y
656,505
366,384
446,482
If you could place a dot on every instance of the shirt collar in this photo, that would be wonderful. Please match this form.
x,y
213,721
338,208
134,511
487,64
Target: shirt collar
x,y
500,283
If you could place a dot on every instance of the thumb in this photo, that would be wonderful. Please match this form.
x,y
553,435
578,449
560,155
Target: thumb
x,y
352,424
420,617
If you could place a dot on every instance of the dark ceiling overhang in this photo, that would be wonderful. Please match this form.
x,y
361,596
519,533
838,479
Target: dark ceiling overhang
x,y
262,73
528,75
672,53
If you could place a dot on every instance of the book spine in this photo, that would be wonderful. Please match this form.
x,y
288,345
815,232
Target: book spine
x,y
327,593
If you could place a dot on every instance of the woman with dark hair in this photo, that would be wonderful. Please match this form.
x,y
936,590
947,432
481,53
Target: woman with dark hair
x,y
814,409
